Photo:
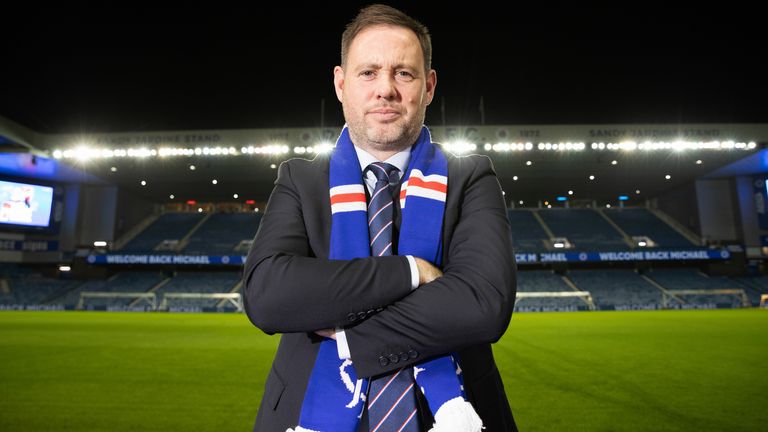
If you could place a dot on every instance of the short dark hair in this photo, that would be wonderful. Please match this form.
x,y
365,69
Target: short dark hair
x,y
378,14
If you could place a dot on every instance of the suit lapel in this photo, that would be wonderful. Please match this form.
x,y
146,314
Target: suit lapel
x,y
321,189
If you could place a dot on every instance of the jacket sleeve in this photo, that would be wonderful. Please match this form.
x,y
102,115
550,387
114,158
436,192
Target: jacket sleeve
x,y
287,288
470,304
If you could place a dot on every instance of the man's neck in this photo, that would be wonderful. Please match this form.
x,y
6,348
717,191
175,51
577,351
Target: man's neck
x,y
382,155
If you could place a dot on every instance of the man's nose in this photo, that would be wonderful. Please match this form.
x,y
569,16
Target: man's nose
x,y
385,88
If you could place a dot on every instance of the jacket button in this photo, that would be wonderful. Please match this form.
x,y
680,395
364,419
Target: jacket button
x,y
383,361
413,354
394,358
404,356
361,315
352,317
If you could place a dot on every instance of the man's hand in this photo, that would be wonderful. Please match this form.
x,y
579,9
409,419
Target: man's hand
x,y
329,333
427,272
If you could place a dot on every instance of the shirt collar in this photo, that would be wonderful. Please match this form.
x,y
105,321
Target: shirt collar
x,y
400,160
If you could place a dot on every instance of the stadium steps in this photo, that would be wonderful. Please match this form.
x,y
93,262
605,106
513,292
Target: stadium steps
x,y
527,233
627,239
677,226
167,229
234,289
159,285
752,287
543,281
185,241
584,228
691,278
62,292
573,286
662,289
133,232
620,289
51,299
543,225
63,295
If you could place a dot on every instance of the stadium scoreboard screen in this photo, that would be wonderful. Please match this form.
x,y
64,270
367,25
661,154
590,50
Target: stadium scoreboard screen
x,y
25,205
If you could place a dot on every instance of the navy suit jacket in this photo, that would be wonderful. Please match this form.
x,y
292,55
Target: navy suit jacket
x,y
291,287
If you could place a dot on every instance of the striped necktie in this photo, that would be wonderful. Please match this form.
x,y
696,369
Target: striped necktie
x,y
391,399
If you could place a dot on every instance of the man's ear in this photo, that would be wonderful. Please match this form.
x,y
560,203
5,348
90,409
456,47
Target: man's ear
x,y
431,84
338,81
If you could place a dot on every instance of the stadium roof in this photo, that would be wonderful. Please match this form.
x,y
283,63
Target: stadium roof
x,y
534,162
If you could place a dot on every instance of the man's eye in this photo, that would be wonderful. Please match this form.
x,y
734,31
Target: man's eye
x,y
404,75
367,73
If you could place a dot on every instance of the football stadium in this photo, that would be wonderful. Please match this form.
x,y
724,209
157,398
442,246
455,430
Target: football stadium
x,y
139,149
640,250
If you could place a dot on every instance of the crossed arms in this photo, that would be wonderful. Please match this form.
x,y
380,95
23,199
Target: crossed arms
x,y
288,288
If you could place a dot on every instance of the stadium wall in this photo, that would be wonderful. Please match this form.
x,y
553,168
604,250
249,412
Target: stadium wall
x,y
681,204
97,214
69,220
717,210
130,211
750,229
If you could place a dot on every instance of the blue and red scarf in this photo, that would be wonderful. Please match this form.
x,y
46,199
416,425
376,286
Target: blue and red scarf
x,y
335,396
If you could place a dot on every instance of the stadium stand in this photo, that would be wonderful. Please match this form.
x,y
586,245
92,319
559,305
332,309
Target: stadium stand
x,y
527,233
619,289
693,279
641,222
199,282
754,286
222,232
584,228
545,281
25,287
123,282
169,226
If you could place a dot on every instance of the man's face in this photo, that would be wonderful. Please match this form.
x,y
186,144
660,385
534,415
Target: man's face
x,y
384,88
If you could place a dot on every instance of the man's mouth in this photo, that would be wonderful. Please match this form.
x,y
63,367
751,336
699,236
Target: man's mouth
x,y
384,113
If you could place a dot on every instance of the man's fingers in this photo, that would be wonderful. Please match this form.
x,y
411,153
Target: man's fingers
x,y
427,272
328,333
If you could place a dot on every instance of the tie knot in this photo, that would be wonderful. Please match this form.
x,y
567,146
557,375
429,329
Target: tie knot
x,y
384,172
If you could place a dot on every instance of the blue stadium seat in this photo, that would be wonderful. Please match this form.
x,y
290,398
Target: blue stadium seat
x,y
169,226
222,232
584,228
641,222
618,289
544,281
527,233
693,279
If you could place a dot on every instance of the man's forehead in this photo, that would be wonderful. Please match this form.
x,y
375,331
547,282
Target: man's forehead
x,y
365,43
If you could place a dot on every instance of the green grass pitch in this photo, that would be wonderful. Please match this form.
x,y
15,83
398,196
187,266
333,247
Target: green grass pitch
x,y
583,371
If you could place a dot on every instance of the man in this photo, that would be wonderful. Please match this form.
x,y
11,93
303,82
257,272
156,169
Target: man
x,y
390,314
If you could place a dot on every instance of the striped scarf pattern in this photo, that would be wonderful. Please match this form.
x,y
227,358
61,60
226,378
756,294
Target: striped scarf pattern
x,y
335,396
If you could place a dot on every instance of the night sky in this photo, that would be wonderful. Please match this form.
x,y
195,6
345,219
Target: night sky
x,y
209,66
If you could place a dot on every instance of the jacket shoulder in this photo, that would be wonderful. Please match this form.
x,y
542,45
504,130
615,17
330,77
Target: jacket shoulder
x,y
302,168
468,163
